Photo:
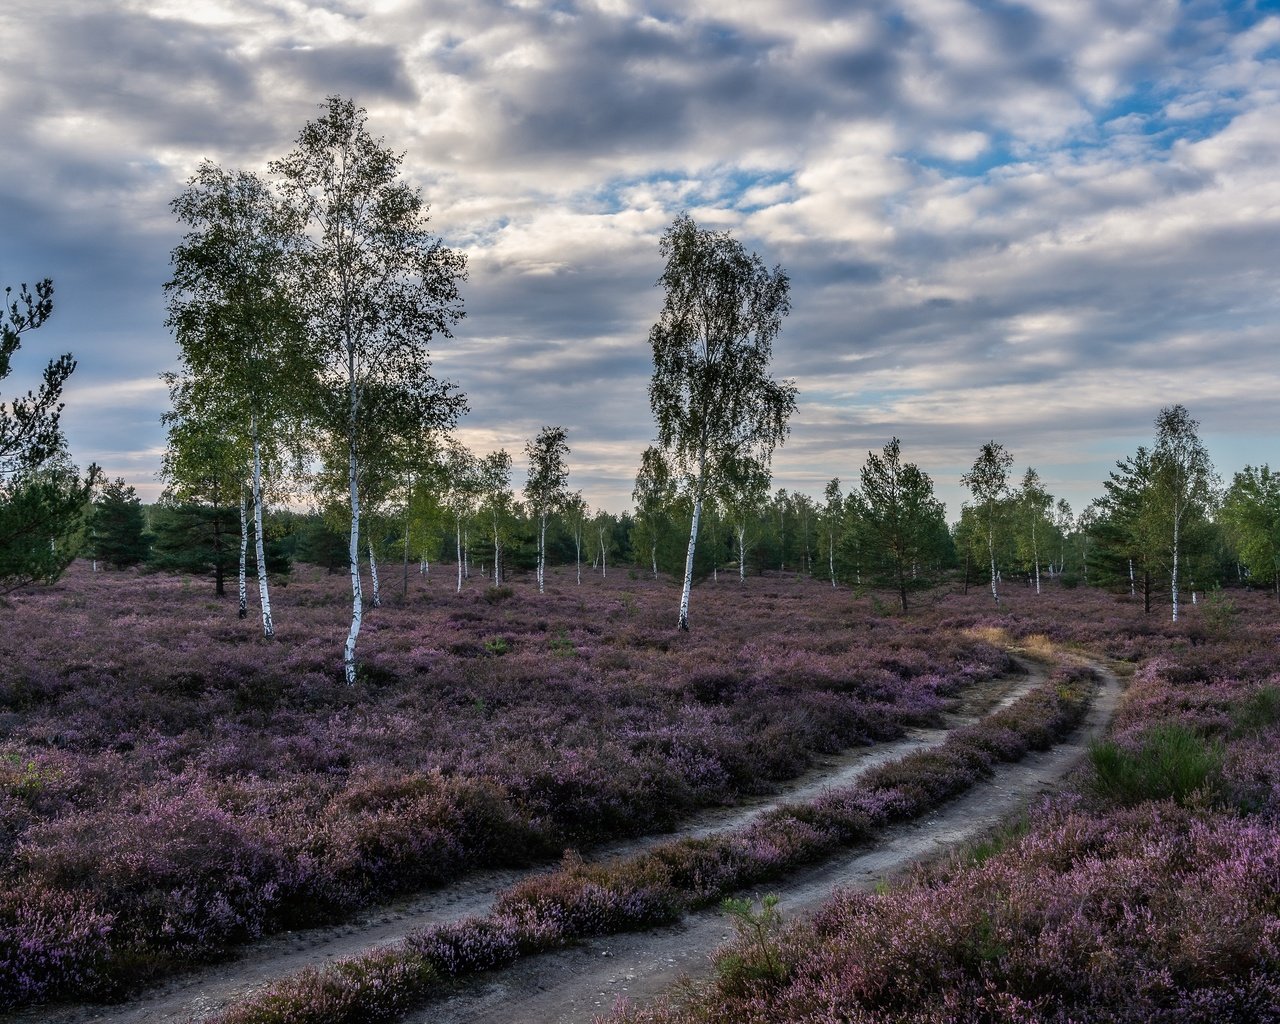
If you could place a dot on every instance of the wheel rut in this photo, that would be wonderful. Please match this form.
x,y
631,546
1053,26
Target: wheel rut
x,y
197,994
575,985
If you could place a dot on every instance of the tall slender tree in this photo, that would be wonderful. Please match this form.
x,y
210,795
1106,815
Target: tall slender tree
x,y
654,493
575,517
1032,516
711,392
376,287
744,491
1183,480
242,347
988,482
546,486
832,522
498,504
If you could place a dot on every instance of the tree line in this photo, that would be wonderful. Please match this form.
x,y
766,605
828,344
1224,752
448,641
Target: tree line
x,y
304,303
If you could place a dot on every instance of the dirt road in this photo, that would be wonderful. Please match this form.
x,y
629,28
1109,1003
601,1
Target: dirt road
x,y
636,964
573,986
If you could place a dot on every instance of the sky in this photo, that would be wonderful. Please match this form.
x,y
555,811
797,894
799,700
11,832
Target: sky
x,y
1034,222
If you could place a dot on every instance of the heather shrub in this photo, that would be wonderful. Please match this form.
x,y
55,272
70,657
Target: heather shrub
x,y
468,946
1152,914
377,986
1171,763
50,942
585,900
181,871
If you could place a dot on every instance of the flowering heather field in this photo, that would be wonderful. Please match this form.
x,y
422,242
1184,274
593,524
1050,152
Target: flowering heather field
x,y
1150,894
172,784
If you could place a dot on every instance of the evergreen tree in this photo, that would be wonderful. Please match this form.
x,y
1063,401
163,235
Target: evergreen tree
x,y
44,501
120,535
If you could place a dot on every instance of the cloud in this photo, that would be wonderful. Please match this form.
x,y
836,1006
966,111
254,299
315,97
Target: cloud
x,y
1040,219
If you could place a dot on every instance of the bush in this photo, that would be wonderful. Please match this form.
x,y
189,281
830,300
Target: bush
x,y
1172,763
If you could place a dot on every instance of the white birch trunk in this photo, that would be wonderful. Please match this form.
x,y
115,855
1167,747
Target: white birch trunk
x,y
497,557
353,548
653,557
244,556
577,554
1133,587
1035,551
458,536
831,558
542,553
991,550
742,553
264,596
1174,580
373,574
604,558
466,554
688,563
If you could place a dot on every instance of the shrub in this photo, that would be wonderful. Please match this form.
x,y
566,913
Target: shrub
x,y
1172,763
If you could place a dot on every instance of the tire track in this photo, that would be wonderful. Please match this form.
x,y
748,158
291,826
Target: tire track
x,y
196,994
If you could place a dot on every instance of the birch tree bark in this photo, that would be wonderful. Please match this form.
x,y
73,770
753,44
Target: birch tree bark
x,y
376,287
988,481
711,393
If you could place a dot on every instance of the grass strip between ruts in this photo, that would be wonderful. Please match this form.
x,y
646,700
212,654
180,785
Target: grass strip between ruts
x,y
658,886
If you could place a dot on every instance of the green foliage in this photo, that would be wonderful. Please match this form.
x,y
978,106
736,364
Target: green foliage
x,y
1258,712
497,646
562,644
988,481
43,521
200,539
1172,763
999,839
1251,514
756,956
901,521
711,393
1219,611
43,500
119,526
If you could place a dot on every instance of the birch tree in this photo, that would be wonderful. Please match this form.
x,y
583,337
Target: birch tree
x,y
376,288
232,313
1033,505
461,473
1063,524
602,530
1183,480
744,490
654,493
832,522
499,503
988,482
575,517
545,488
711,392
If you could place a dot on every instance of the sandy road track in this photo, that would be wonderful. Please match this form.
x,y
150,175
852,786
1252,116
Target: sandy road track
x,y
199,993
